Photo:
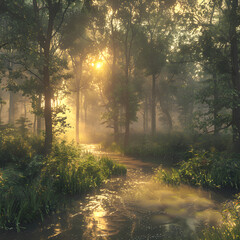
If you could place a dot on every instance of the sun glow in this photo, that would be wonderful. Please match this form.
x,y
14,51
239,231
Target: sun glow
x,y
99,65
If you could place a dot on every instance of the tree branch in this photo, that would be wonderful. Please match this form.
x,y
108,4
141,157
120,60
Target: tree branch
x,y
227,126
27,69
62,19
4,44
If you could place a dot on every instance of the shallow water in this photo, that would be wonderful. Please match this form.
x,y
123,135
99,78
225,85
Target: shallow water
x,y
131,207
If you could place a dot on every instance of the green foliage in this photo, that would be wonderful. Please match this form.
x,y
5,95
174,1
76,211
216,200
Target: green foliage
x,y
207,169
60,120
78,177
13,150
16,149
64,152
23,126
32,186
37,144
209,142
110,168
22,203
230,229
215,94
167,149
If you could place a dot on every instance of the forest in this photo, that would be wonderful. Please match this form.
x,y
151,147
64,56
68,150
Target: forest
x,y
127,108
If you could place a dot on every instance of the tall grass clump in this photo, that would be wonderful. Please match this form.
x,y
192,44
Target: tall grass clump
x,y
32,185
111,168
21,201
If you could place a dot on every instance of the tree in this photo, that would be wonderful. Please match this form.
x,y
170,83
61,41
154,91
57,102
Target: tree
x,y
156,33
220,32
129,18
42,20
232,6
79,45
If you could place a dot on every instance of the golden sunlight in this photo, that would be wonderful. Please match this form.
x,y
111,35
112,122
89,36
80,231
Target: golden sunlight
x,y
99,65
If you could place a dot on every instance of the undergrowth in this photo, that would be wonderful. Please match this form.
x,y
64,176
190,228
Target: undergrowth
x,y
206,169
32,185
169,149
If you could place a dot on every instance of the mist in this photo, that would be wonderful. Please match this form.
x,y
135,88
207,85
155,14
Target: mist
x,y
98,97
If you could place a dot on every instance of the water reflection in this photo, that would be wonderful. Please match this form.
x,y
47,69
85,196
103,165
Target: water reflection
x,y
138,208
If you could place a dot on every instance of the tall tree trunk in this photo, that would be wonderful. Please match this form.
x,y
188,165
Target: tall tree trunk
x,y
153,105
165,111
1,106
115,110
34,124
39,118
144,118
121,116
235,75
215,105
78,80
190,116
11,117
25,109
127,124
127,106
48,98
48,112
115,107
85,113
128,51
44,39
77,114
145,115
81,106
116,127
114,99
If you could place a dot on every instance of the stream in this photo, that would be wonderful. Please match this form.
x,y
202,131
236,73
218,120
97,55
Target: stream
x,y
130,207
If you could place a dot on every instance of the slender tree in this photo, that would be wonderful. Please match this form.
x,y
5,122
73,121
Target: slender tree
x,y
42,21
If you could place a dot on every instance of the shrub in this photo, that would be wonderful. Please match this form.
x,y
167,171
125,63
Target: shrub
x,y
207,169
37,144
14,150
169,149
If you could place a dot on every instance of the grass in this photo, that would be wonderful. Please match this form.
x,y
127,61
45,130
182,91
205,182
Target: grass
x,y
230,229
212,170
32,186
